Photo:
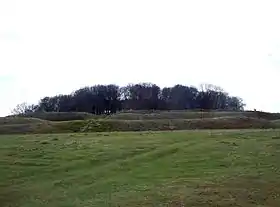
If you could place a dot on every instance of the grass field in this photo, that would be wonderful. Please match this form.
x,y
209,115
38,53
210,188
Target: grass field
x,y
183,168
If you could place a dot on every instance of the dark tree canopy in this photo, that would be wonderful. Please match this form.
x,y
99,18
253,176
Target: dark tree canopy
x,y
107,99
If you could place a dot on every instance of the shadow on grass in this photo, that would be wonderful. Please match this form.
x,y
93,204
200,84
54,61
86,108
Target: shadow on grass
x,y
249,192
9,196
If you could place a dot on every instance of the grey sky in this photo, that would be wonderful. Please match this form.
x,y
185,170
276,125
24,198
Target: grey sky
x,y
56,46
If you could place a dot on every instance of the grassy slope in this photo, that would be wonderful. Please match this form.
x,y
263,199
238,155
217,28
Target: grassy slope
x,y
150,115
60,116
135,115
218,168
141,121
171,115
19,120
107,125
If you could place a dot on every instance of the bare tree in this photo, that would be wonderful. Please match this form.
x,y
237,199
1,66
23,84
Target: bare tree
x,y
23,108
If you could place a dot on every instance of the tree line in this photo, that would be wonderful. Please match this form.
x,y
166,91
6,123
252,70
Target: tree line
x,y
107,99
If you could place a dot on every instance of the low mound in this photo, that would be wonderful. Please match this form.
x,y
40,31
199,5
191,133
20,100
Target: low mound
x,y
31,128
263,115
175,124
276,123
152,115
137,125
19,120
60,116
171,115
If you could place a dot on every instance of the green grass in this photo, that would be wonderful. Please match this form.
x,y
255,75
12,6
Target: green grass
x,y
276,123
171,115
60,116
150,115
182,168
19,120
184,114
64,122
110,125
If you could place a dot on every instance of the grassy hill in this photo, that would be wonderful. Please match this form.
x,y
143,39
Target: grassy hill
x,y
152,115
18,120
60,116
107,125
194,168
131,121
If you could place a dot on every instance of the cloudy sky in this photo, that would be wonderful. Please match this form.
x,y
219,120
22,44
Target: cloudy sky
x,y
56,46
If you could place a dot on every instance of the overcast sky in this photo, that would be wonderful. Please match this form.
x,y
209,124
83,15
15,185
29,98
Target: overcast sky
x,y
56,46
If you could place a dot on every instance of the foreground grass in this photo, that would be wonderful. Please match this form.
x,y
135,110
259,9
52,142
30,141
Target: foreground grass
x,y
183,168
